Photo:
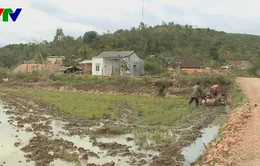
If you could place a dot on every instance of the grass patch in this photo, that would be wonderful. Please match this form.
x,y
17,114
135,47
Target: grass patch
x,y
125,81
72,79
144,137
142,110
114,130
236,97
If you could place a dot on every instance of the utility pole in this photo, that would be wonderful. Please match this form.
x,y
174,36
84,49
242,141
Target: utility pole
x,y
142,37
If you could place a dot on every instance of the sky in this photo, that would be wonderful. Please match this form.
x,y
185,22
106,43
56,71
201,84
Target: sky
x,y
39,19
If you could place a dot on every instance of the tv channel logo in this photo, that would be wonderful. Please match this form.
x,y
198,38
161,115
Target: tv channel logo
x,y
5,13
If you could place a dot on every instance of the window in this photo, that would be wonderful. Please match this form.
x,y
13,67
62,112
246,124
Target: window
x,y
97,67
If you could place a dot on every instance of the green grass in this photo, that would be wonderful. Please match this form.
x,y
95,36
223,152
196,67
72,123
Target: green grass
x,y
153,110
146,134
236,97
72,79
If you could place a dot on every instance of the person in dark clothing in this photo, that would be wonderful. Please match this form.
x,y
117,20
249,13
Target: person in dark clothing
x,y
195,94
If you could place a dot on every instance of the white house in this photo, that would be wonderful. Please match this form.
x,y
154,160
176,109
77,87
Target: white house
x,y
117,63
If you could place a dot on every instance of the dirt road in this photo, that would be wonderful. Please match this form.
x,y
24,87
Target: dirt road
x,y
247,151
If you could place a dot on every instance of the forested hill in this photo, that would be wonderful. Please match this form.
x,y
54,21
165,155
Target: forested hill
x,y
166,41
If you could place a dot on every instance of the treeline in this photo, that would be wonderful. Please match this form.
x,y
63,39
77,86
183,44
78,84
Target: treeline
x,y
166,42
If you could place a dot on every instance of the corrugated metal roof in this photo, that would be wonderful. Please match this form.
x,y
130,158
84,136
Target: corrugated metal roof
x,y
85,62
191,63
114,54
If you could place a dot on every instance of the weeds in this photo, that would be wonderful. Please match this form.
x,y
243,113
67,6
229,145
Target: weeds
x,y
179,80
146,137
153,110
236,97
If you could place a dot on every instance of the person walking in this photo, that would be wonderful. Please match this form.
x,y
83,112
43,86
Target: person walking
x,y
195,94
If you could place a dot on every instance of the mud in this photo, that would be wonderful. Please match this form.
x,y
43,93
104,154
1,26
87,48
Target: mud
x,y
63,138
51,137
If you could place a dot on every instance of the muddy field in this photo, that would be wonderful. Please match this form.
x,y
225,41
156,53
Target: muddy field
x,y
37,133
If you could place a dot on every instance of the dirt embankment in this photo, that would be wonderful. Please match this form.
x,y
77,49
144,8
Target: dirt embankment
x,y
178,85
240,143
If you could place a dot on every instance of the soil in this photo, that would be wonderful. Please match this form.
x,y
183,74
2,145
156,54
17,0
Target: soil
x,y
36,117
154,89
240,135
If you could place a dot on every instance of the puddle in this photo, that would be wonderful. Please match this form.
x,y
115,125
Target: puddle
x,y
12,155
9,154
86,143
62,163
192,152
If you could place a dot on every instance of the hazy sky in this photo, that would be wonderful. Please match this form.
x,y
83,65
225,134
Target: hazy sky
x,y
40,18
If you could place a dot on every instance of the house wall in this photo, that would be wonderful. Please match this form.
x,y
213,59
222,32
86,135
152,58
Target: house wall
x,y
96,62
136,65
111,66
240,63
87,68
245,63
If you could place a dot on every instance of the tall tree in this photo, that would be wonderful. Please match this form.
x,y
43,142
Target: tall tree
x,y
90,36
58,42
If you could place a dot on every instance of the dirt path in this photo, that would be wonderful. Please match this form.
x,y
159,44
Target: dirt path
x,y
247,151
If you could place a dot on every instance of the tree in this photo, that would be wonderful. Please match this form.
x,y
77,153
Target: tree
x,y
86,52
58,42
8,58
89,37
213,53
255,64
124,67
170,40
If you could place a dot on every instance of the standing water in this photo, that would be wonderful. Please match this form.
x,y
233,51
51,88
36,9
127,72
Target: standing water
x,y
192,152
10,153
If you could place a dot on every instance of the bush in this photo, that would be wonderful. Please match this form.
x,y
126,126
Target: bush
x,y
206,79
3,73
73,79
27,77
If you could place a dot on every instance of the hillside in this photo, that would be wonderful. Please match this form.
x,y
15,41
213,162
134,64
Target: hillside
x,y
167,41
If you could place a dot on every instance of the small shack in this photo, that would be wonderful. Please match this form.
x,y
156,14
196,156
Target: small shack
x,y
86,66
